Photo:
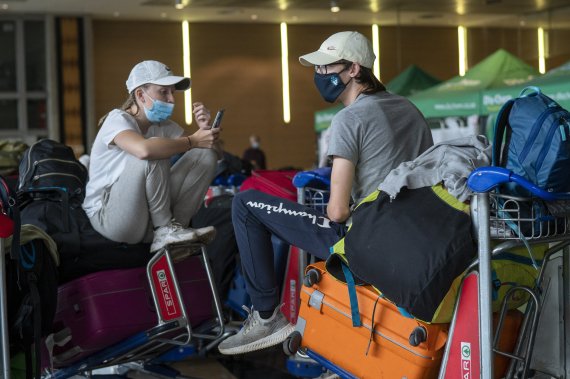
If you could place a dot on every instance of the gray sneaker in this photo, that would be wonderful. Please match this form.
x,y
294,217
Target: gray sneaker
x,y
175,233
257,333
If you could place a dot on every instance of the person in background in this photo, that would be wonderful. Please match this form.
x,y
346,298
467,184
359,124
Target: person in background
x,y
374,132
133,193
254,154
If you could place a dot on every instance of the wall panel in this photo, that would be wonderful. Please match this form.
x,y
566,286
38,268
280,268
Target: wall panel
x,y
118,46
238,67
432,49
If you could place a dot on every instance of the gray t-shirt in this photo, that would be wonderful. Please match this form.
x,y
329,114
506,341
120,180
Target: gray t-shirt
x,y
377,132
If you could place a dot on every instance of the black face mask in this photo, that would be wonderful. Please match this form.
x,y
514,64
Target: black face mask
x,y
330,86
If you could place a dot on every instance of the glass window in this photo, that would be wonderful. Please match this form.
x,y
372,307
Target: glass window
x,y
8,56
37,116
35,54
23,78
8,114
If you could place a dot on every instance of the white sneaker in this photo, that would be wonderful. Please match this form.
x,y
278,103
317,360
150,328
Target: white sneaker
x,y
258,333
174,233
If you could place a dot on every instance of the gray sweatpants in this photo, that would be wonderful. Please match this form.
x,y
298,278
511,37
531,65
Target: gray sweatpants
x,y
149,193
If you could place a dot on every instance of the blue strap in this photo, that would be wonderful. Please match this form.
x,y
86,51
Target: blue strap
x,y
352,295
515,229
505,255
405,313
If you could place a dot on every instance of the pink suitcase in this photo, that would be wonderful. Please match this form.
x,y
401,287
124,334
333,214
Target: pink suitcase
x,y
103,308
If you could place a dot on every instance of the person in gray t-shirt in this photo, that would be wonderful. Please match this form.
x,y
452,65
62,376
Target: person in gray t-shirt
x,y
374,133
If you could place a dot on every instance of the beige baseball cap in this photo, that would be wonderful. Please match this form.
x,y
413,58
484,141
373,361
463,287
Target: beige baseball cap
x,y
350,46
154,72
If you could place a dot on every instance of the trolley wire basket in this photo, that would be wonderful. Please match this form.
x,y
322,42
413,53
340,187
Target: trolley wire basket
x,y
314,197
513,218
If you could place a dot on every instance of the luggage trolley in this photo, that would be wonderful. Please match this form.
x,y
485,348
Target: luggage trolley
x,y
504,220
6,230
173,330
313,191
510,221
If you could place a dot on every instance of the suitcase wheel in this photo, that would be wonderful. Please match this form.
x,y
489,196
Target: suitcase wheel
x,y
418,336
292,343
312,277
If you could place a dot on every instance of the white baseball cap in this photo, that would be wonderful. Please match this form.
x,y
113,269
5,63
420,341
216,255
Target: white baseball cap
x,y
350,46
153,72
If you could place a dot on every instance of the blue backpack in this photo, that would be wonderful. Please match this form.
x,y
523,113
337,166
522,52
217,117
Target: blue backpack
x,y
537,141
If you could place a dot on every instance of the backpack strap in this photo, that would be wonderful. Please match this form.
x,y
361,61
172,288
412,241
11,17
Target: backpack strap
x,y
32,280
532,90
355,314
502,124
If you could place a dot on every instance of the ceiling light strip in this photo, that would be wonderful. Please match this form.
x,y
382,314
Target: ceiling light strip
x,y
376,48
541,51
186,64
285,74
462,43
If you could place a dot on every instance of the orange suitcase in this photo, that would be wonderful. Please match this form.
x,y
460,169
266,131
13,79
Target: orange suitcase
x,y
325,325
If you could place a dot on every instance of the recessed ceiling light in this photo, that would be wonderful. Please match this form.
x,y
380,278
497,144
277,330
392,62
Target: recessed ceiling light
x,y
253,17
4,6
116,14
163,15
334,7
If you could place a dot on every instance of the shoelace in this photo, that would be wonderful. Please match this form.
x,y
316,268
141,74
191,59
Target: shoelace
x,y
250,321
176,225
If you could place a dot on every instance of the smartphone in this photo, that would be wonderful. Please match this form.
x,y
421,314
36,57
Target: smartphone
x,y
218,119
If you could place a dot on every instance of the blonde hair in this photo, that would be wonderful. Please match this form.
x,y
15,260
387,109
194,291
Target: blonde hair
x,y
127,105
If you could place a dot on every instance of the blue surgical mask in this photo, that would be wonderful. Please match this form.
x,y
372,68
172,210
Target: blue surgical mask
x,y
159,111
330,85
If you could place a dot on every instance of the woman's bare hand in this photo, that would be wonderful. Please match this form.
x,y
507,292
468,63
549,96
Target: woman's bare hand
x,y
204,138
202,115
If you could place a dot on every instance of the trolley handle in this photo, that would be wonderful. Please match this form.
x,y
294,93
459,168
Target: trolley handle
x,y
319,178
485,179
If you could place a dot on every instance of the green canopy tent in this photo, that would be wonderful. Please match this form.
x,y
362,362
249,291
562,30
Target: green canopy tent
x,y
413,79
454,107
324,117
323,120
555,84
462,95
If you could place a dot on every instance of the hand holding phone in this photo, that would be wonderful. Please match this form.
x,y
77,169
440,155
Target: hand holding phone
x,y
218,119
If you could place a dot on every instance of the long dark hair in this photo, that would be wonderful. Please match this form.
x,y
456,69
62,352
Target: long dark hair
x,y
370,81
365,77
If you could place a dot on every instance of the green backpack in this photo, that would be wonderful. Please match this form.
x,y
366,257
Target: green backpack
x,y
11,153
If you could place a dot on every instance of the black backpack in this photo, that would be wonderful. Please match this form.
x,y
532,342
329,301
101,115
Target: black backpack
x,y
49,168
51,189
31,287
